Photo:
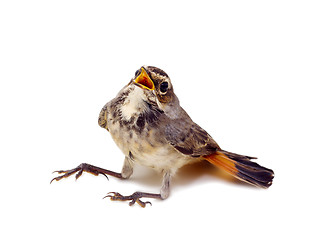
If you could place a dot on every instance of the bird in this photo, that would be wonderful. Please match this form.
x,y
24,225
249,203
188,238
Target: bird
x,y
150,127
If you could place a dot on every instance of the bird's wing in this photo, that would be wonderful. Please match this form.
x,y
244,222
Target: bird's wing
x,y
189,138
102,119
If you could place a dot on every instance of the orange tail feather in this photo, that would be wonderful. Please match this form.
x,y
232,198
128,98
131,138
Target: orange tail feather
x,y
242,168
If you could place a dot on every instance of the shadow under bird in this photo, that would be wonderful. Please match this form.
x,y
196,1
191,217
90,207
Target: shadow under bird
x,y
148,124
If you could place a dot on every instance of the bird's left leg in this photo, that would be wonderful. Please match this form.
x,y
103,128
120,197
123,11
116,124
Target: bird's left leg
x,y
126,172
136,197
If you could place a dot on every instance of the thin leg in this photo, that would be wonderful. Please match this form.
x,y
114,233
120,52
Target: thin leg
x,y
165,188
127,169
84,167
135,197
126,172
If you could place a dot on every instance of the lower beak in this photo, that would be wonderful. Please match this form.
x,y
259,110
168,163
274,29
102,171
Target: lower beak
x,y
144,81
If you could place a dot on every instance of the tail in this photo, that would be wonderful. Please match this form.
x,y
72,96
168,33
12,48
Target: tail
x,y
242,168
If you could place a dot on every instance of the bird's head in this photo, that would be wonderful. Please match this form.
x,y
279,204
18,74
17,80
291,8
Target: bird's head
x,y
155,81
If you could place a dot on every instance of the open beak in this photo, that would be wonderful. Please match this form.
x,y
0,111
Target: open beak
x,y
144,81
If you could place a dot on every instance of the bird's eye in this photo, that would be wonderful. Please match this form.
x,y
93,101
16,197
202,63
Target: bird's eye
x,y
163,87
137,73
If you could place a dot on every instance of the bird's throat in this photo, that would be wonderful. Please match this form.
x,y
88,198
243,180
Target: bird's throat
x,y
134,103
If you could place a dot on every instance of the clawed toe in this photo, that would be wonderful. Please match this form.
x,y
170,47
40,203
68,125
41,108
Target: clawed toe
x,y
114,196
68,173
84,167
134,198
141,203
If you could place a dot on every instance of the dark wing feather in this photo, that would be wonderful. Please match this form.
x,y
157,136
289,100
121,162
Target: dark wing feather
x,y
102,119
189,138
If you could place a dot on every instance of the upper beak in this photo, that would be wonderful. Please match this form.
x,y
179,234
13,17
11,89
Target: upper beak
x,y
144,81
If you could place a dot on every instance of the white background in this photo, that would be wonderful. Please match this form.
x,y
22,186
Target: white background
x,y
243,70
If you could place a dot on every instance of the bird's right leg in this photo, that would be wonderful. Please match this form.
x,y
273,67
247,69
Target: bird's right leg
x,y
127,171
137,196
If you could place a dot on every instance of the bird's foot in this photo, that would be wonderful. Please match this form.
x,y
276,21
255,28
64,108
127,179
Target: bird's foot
x,y
134,198
84,167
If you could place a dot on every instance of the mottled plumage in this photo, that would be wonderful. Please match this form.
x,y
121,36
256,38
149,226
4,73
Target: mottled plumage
x,y
148,124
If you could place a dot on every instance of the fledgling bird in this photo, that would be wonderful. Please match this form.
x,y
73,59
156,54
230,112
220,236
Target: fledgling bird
x,y
148,124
